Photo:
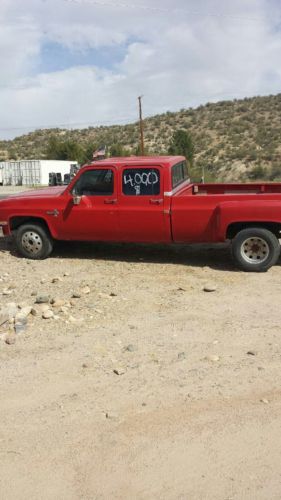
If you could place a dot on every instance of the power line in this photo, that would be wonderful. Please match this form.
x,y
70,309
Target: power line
x,y
102,3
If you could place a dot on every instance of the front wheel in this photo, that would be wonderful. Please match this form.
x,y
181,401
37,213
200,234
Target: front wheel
x,y
255,249
33,241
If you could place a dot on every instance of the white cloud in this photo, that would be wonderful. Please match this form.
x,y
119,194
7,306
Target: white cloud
x,y
174,58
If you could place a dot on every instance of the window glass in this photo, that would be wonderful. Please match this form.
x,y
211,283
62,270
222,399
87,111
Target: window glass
x,y
179,173
95,183
141,181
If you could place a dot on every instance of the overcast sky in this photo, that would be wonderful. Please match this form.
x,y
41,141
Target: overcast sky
x,y
76,63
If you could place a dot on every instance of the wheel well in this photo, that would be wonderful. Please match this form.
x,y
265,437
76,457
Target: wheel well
x,y
235,227
16,222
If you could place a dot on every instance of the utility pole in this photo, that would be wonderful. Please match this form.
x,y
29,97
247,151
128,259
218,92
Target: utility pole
x,y
141,127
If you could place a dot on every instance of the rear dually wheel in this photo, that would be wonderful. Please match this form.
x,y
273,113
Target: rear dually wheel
x,y
255,249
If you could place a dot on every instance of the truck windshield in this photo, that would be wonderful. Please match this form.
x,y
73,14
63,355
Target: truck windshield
x,y
179,173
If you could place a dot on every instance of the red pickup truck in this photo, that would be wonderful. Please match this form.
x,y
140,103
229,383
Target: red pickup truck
x,y
147,199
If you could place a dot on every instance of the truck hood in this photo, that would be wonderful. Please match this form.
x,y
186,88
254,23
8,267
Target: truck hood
x,y
44,192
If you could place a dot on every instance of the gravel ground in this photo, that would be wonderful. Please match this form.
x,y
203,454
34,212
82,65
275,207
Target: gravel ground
x,y
144,386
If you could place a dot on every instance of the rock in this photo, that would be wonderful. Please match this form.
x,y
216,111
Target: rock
x,y
48,314
12,286
21,318
119,370
209,288
11,309
33,294
212,357
265,401
34,311
58,302
43,280
7,292
56,279
85,290
252,353
131,348
64,310
76,295
42,299
20,327
72,302
43,307
11,339
112,294
66,274
25,311
181,355
84,365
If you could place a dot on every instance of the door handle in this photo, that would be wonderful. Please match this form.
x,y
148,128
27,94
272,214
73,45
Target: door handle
x,y
110,202
155,202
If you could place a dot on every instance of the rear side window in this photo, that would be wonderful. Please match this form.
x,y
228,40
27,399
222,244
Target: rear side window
x,y
96,182
179,173
141,181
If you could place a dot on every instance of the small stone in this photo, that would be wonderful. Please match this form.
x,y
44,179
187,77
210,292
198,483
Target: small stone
x,y
42,299
25,311
212,357
34,311
265,401
12,286
181,355
85,290
43,280
112,294
58,303
7,292
48,314
119,371
84,365
180,289
76,295
66,274
111,415
43,307
131,348
64,310
33,294
21,318
20,327
252,353
56,279
10,340
10,309
209,288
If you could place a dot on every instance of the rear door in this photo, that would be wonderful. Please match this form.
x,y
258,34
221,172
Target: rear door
x,y
95,218
141,204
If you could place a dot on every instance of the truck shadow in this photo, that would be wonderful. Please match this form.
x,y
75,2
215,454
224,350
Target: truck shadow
x,y
216,257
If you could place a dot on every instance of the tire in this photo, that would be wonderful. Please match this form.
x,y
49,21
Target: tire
x,y
33,241
255,249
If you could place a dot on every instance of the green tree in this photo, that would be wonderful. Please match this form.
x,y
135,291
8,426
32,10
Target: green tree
x,y
182,144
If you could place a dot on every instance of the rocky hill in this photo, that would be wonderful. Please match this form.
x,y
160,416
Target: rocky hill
x,y
233,140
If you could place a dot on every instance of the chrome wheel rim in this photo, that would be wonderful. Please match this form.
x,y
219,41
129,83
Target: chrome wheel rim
x,y
255,250
32,242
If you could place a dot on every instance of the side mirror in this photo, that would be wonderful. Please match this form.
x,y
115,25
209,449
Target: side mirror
x,y
76,199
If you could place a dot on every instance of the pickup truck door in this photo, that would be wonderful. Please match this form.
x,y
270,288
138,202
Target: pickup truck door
x,y
95,217
141,205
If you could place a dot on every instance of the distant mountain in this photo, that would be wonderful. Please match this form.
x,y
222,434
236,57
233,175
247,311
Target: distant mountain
x,y
234,140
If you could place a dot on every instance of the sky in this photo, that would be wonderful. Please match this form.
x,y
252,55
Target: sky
x,y
79,63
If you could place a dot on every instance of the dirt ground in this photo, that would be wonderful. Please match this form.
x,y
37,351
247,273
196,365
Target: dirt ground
x,y
147,386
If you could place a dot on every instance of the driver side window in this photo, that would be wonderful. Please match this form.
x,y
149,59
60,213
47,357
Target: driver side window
x,y
96,182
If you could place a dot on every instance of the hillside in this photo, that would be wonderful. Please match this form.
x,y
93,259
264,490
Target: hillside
x,y
234,140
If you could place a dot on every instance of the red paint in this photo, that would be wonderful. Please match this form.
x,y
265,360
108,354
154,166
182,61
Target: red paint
x,y
188,213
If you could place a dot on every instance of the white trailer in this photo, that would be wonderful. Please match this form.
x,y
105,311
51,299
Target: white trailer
x,y
32,172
